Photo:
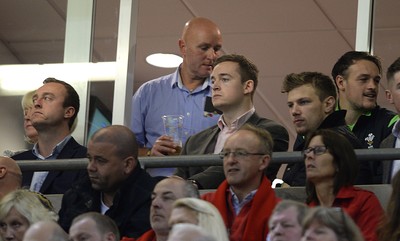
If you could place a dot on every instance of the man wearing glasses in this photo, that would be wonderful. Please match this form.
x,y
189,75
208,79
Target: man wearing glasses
x,y
234,81
311,98
245,199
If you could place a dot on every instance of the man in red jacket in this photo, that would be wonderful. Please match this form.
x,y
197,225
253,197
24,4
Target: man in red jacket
x,y
245,199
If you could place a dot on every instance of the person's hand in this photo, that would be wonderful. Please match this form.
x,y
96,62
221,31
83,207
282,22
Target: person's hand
x,y
163,146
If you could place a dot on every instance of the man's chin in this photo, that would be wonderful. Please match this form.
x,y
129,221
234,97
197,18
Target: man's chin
x,y
97,187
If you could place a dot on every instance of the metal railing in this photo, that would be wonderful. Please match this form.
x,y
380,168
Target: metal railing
x,y
198,160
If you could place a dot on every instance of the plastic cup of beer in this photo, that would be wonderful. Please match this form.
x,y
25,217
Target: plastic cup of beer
x,y
173,127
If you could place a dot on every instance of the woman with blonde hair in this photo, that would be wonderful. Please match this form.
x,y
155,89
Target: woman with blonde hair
x,y
20,209
201,213
31,135
330,224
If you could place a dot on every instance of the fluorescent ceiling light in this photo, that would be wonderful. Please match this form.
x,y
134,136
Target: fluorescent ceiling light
x,y
164,60
24,77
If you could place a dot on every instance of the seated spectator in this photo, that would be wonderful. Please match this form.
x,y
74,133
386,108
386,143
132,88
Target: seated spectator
x,y
201,213
163,197
31,134
331,167
312,98
234,82
19,210
389,229
93,226
10,176
45,231
55,108
323,224
116,184
245,199
285,221
189,231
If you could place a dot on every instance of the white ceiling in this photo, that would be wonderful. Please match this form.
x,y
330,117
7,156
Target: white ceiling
x,y
280,37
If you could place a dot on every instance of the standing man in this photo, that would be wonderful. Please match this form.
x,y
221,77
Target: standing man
x,y
234,81
390,168
183,92
357,76
245,199
55,107
311,98
117,186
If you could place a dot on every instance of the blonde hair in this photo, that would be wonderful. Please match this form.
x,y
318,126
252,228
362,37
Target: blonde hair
x,y
33,206
208,216
27,101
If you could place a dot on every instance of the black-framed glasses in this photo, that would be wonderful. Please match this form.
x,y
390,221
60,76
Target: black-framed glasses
x,y
238,154
316,150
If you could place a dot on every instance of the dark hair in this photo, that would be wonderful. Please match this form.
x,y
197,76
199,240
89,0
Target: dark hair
x,y
72,98
344,159
389,229
323,85
104,224
349,58
247,70
263,136
392,70
120,136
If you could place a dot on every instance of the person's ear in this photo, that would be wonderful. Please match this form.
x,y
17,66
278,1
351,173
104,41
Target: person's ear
x,y
329,104
248,86
129,164
389,96
339,80
182,47
264,162
110,236
69,112
3,172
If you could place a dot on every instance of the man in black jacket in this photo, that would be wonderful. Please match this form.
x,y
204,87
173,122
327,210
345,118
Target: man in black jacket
x,y
55,107
116,184
311,98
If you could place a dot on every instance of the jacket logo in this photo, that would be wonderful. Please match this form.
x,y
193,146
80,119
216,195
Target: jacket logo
x,y
370,140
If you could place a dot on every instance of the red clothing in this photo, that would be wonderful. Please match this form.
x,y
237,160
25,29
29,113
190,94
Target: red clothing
x,y
251,224
361,205
147,236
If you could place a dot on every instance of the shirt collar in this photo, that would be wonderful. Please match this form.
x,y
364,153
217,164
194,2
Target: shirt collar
x,y
177,81
238,122
56,150
237,205
396,129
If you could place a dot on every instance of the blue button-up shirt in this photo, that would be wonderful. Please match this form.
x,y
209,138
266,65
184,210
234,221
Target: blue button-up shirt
x,y
168,96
